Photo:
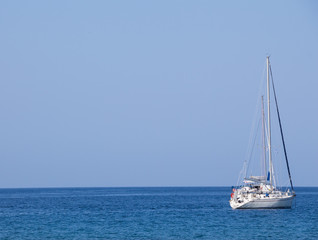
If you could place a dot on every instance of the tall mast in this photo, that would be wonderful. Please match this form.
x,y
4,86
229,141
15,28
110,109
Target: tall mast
x,y
269,126
263,139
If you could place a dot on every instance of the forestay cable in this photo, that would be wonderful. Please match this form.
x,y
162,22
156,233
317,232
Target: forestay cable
x,y
281,130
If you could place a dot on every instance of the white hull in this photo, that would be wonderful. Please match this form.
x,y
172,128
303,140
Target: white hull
x,y
283,202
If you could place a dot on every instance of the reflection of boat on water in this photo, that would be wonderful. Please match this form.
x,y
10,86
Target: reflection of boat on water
x,y
261,191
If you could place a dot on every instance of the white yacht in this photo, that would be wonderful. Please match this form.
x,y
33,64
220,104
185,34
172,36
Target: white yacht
x,y
257,192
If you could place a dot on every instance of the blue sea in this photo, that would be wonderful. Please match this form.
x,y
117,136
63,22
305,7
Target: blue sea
x,y
149,213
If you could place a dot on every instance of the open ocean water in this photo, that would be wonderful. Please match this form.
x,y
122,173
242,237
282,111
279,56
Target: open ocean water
x,y
149,213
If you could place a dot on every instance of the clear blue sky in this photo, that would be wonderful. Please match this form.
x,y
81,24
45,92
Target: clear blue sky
x,y
150,93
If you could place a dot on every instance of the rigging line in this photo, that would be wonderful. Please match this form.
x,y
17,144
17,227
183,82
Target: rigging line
x,y
274,175
266,134
281,130
252,150
256,113
249,148
246,165
247,153
252,131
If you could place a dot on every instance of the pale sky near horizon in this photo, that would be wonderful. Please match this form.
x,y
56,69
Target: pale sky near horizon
x,y
150,93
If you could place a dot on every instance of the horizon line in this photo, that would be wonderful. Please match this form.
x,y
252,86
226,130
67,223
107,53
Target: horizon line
x,y
2,188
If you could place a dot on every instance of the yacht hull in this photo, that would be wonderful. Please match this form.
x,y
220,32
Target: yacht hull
x,y
269,203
